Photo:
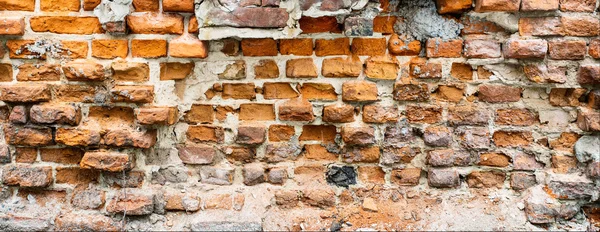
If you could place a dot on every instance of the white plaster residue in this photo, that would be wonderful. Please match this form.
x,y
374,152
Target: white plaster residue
x,y
112,10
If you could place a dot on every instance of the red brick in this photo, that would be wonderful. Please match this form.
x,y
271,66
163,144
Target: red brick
x,y
319,24
332,47
175,71
588,119
565,96
516,117
12,26
411,92
341,67
77,137
382,67
384,24
318,92
322,133
84,71
281,133
359,91
589,74
594,49
266,69
360,135
476,48
197,155
580,25
577,5
437,47
24,175
252,17
423,114
25,155
203,133
250,134
369,46
55,114
402,46
157,115
155,23
567,49
528,48
200,114
512,138
423,69
259,47
61,155
298,47
540,26
338,113
499,93
376,113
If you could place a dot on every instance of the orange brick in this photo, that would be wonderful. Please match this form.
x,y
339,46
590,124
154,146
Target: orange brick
x,y
89,5
60,5
38,72
299,47
17,5
148,48
193,25
320,24
74,49
258,112
66,25
109,49
155,23
178,5
332,47
12,26
146,5
384,24
188,46
453,6
259,47
6,72
369,46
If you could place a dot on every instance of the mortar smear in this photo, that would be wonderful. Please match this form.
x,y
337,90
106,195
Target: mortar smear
x,y
421,21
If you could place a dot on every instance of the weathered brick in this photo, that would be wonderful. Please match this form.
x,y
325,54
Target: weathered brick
x,y
359,91
448,158
423,69
189,202
279,133
132,201
369,46
252,17
148,48
6,72
482,49
66,24
494,159
200,114
540,73
266,69
318,152
60,5
516,117
403,46
238,91
38,72
130,138
443,178
28,136
55,114
279,90
24,5
155,23
512,138
76,176
437,136
450,93
133,93
109,48
584,25
449,6
589,74
107,161
480,179
522,180
539,5
301,68
406,176
259,47
296,110
332,47
61,155
78,137
474,138
25,155
527,48
322,133
298,47
188,46
254,174
216,176
338,113
540,26
565,96
371,174
197,155
577,5
319,24
24,175
563,164
157,115
382,67
567,49
436,47
341,67
497,5
175,70
251,134
594,99
588,119
259,112
18,115
384,24
594,50
200,134
318,92
146,5
423,114
178,5
411,92
467,115
358,135
377,113
84,71
499,93
12,26
85,221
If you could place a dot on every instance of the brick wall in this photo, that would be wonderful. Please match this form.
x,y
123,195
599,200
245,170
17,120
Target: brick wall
x,y
299,115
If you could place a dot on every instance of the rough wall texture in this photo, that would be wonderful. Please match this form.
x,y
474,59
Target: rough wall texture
x,y
299,115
